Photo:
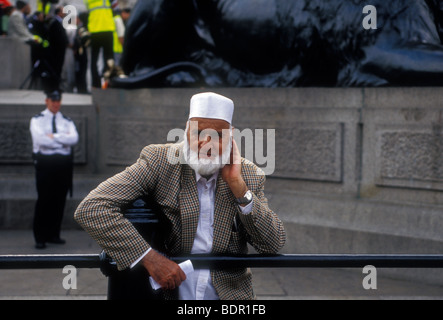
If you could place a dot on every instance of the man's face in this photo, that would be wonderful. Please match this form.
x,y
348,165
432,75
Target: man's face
x,y
208,137
27,9
125,15
53,105
208,145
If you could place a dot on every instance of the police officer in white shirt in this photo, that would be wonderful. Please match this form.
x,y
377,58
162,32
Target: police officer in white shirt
x,y
53,136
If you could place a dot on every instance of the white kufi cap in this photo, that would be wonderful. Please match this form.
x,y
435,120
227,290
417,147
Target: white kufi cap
x,y
211,105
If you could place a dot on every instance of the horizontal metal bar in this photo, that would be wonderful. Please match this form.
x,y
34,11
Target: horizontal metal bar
x,y
49,261
316,261
55,261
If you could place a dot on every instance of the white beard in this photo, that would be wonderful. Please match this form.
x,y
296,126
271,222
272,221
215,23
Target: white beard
x,y
205,167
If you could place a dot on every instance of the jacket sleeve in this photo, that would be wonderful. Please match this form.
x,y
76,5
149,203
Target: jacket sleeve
x,y
100,213
21,31
265,230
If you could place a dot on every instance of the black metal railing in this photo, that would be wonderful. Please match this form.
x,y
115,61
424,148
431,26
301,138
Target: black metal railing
x,y
134,284
54,261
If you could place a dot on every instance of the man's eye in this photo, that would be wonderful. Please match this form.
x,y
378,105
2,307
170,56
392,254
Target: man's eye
x,y
211,134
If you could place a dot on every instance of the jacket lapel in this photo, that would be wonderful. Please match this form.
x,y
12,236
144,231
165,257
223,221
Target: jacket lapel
x,y
189,207
224,213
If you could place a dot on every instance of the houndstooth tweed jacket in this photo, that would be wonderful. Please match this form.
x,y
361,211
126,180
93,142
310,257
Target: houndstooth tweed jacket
x,y
173,185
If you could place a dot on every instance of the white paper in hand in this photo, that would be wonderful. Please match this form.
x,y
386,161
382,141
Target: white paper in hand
x,y
187,268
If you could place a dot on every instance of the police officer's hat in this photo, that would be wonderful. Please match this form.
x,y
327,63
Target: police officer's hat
x,y
55,95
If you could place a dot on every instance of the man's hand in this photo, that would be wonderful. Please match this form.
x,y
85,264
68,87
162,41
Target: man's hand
x,y
164,271
231,173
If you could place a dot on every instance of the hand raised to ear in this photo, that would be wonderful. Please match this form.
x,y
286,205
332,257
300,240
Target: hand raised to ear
x,y
231,173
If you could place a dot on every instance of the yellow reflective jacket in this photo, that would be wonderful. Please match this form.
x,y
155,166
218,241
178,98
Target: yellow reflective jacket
x,y
118,48
100,16
45,8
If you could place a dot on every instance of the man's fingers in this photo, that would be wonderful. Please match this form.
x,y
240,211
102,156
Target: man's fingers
x,y
179,276
174,279
235,156
177,283
166,272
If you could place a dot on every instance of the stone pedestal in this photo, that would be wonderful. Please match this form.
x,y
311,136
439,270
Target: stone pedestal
x,y
16,62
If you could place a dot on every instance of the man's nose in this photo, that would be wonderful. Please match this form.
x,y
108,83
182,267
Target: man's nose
x,y
204,140
207,141
205,137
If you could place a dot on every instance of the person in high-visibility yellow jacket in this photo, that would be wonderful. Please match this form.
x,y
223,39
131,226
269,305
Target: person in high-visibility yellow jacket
x,y
101,26
119,37
44,6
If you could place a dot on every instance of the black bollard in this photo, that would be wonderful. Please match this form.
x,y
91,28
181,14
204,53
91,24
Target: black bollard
x,y
133,284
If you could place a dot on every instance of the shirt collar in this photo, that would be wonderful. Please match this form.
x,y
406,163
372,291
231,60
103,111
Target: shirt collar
x,y
212,178
47,112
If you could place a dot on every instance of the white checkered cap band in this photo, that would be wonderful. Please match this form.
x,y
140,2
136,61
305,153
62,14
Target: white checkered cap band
x,y
211,105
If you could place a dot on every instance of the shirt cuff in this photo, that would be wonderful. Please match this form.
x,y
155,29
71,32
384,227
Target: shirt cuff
x,y
139,259
246,209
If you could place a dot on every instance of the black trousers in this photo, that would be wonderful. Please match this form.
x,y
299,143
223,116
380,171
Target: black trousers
x,y
53,180
105,41
81,68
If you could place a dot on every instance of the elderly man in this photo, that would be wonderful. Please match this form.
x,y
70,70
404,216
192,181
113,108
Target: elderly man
x,y
212,198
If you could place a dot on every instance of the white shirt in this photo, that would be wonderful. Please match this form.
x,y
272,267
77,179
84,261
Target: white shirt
x,y
198,285
64,139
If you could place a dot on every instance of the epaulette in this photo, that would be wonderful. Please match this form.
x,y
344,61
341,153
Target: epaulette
x,y
39,115
67,118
